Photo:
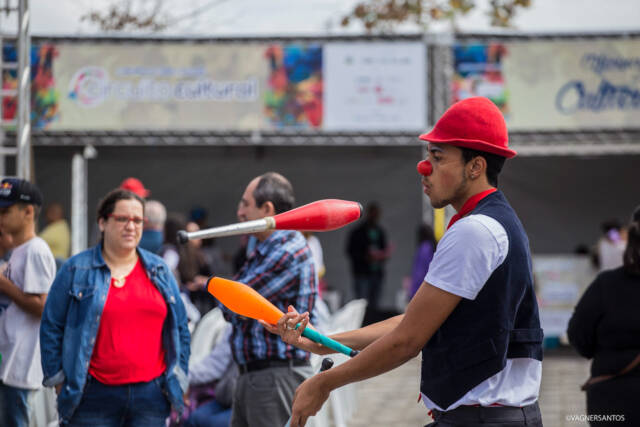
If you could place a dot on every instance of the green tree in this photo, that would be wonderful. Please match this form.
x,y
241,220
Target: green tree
x,y
385,15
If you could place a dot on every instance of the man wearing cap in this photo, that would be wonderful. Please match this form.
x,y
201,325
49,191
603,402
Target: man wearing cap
x,y
25,282
475,317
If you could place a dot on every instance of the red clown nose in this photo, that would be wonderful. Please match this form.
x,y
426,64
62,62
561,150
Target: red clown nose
x,y
425,168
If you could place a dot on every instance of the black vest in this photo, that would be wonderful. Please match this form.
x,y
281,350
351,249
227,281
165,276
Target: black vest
x,y
502,323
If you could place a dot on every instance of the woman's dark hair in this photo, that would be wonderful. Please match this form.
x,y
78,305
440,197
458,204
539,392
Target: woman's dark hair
x,y
275,188
631,255
610,224
425,234
108,203
494,163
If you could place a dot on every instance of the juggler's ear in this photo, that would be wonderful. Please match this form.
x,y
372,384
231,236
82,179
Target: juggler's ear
x,y
477,167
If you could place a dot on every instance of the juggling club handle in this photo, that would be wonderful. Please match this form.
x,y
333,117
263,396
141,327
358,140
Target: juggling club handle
x,y
314,335
182,237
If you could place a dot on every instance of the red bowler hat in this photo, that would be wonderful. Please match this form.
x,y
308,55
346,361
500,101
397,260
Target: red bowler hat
x,y
474,123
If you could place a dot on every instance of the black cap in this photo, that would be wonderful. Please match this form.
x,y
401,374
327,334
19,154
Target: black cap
x,y
14,190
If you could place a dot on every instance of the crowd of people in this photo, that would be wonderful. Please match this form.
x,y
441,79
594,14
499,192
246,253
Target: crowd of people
x,y
109,327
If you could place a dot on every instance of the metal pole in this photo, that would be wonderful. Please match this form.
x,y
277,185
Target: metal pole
x,y
24,93
79,197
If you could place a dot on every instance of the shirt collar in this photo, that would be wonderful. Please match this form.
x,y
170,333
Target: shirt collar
x,y
470,205
263,247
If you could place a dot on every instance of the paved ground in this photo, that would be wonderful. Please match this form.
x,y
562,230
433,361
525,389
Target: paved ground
x,y
390,400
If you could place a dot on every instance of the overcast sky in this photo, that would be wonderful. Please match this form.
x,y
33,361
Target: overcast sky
x,y
320,17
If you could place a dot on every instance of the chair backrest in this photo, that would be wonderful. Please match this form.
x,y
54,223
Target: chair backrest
x,y
350,316
206,335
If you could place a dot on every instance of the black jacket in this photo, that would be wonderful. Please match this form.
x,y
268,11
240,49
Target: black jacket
x,y
605,325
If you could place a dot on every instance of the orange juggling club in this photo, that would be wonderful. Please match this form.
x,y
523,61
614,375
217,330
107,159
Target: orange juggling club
x,y
247,302
243,300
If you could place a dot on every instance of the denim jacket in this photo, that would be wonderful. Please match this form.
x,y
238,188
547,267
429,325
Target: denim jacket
x,y
72,315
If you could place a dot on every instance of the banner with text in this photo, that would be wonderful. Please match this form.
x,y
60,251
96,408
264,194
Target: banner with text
x,y
375,86
160,86
554,85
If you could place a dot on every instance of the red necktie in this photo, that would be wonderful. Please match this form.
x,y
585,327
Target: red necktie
x,y
470,205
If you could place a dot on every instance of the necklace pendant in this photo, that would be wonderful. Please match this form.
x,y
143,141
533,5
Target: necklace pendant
x,y
118,283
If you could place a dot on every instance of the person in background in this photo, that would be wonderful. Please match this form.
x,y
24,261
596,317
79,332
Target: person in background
x,y
129,184
611,245
322,311
114,336
199,215
368,251
217,369
280,267
135,186
57,233
155,215
24,285
196,272
318,259
175,255
422,258
605,327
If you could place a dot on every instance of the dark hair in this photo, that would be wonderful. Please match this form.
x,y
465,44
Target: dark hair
x,y
494,163
108,204
425,234
631,257
610,224
373,206
36,209
188,257
275,188
174,223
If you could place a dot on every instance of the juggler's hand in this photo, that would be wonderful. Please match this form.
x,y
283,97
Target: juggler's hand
x,y
308,399
286,328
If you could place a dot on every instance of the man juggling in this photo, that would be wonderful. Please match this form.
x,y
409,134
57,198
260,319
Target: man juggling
x,y
475,317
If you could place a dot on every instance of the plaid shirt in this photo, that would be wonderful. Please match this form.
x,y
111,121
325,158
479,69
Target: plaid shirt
x,y
281,269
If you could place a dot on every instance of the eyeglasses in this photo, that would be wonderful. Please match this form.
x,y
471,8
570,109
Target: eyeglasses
x,y
124,220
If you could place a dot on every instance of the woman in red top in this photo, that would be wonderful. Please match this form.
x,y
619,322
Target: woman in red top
x,y
130,320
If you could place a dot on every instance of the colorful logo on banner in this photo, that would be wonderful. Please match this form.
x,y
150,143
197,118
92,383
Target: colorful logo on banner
x,y
91,86
294,94
578,95
44,96
88,86
478,72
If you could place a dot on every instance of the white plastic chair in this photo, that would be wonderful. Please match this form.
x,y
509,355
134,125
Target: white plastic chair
x,y
206,335
321,419
349,317
344,399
